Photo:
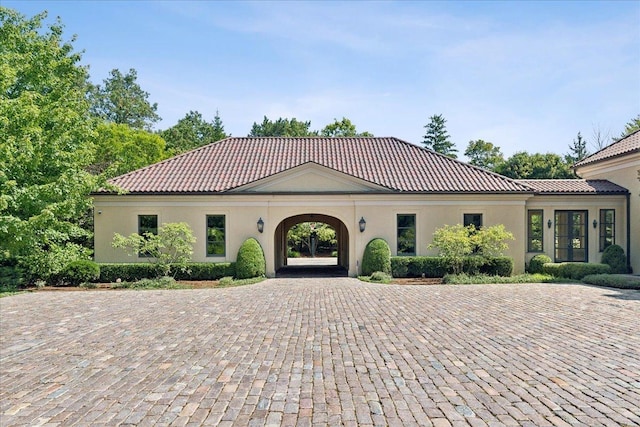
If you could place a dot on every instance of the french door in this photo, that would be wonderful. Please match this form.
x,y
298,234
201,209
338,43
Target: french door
x,y
571,236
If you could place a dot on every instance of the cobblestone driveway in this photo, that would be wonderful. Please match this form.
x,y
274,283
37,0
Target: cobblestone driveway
x,y
323,352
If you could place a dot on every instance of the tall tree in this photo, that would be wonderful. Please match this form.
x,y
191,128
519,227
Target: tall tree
x,y
45,145
631,126
523,165
121,100
437,138
192,131
282,127
577,150
342,128
600,138
483,154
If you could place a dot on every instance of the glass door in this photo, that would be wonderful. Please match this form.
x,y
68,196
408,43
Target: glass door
x,y
571,236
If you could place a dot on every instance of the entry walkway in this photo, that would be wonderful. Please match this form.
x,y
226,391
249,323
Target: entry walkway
x,y
323,352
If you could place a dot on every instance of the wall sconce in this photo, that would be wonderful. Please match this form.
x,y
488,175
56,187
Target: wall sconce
x,y
549,224
595,223
260,225
363,224
99,212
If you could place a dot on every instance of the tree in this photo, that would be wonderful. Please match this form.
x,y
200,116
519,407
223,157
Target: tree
x,y
44,146
631,126
483,154
121,100
600,138
437,138
454,244
120,149
282,127
342,128
192,131
299,236
577,150
171,247
523,165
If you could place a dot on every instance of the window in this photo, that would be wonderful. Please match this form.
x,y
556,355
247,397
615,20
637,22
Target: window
x,y
215,235
473,219
147,224
607,228
406,235
571,237
535,221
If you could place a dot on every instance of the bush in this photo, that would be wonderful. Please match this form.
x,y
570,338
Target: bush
x,y
78,272
250,261
621,282
465,279
537,263
129,272
435,266
575,270
376,257
497,266
165,282
380,276
11,275
614,257
205,271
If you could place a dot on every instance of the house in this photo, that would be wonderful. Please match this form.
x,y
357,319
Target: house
x,y
363,188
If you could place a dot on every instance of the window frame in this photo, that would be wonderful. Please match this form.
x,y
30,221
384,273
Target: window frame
x,y
142,230
602,235
464,219
398,234
207,241
530,237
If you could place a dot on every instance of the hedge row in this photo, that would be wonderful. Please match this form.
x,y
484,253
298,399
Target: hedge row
x,y
574,270
128,272
433,266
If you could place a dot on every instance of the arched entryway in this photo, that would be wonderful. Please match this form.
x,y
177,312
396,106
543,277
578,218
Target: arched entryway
x,y
281,247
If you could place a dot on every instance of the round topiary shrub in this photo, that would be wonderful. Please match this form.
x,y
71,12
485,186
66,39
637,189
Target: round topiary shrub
x,y
377,257
250,261
77,272
614,257
537,262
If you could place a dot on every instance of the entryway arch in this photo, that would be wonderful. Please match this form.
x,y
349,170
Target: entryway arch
x,y
342,237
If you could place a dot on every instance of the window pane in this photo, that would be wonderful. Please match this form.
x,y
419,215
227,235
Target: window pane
x,y
406,235
607,228
473,219
215,235
535,229
147,224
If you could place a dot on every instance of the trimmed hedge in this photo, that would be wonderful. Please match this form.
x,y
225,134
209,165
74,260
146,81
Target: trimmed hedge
x,y
614,257
537,263
612,281
130,272
250,261
434,266
575,270
81,271
376,257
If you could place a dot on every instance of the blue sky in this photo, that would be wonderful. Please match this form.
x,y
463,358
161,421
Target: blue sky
x,y
526,76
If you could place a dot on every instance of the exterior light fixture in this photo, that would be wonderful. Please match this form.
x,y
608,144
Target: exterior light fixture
x,y
363,224
595,223
549,224
260,225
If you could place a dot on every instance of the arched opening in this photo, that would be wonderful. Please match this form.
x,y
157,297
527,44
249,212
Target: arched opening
x,y
295,235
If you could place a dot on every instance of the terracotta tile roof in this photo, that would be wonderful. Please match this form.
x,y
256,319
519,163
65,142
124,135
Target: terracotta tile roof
x,y
573,186
388,162
626,145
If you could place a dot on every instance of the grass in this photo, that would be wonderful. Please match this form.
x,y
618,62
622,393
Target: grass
x,y
465,279
613,281
377,277
227,282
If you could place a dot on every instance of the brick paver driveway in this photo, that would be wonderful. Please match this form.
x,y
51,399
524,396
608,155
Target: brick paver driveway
x,y
323,352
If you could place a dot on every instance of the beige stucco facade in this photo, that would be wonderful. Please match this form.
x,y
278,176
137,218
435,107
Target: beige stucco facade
x,y
624,171
343,200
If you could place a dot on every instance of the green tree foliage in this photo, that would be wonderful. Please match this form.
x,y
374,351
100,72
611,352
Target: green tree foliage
x,y
299,236
615,258
523,165
437,138
631,126
193,131
483,154
121,149
121,100
342,128
171,247
376,257
577,150
45,127
282,127
250,261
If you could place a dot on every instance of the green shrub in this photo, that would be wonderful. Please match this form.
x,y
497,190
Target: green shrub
x,y
293,254
376,257
380,276
497,266
226,281
465,279
621,282
205,271
127,272
436,266
77,272
250,261
11,276
130,272
165,282
614,257
537,263
575,270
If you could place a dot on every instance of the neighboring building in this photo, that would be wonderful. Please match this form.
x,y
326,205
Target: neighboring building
x,y
620,164
398,191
